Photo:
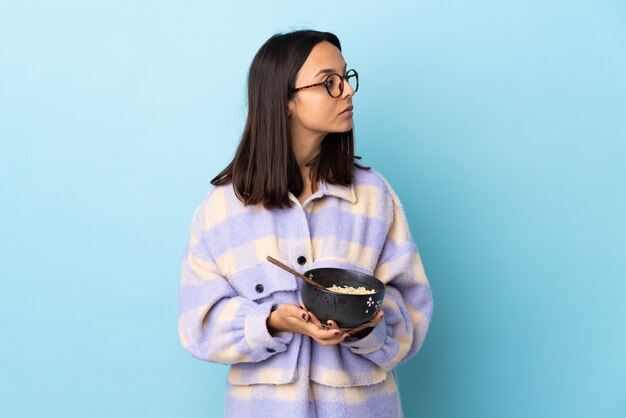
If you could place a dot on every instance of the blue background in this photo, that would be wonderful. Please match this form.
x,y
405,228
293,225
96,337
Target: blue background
x,y
501,126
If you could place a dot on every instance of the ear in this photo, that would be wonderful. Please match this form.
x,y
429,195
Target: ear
x,y
290,106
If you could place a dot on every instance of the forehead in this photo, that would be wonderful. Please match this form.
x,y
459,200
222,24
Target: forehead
x,y
323,55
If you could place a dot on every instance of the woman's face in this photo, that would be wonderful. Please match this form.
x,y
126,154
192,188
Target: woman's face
x,y
313,110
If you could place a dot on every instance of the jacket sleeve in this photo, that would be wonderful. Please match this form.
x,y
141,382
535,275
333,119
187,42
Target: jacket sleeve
x,y
408,299
215,323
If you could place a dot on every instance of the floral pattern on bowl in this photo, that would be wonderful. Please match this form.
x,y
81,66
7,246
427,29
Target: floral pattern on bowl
x,y
373,305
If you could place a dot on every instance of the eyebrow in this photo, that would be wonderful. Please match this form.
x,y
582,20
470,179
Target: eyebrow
x,y
328,70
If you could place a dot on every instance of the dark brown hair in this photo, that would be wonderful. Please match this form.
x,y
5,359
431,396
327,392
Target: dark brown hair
x,y
264,168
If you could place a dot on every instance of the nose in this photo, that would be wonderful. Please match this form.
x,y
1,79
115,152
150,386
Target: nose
x,y
348,90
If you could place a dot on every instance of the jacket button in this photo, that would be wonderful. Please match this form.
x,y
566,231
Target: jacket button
x,y
301,260
270,350
259,288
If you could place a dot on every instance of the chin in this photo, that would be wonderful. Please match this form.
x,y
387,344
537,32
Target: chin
x,y
347,128
340,131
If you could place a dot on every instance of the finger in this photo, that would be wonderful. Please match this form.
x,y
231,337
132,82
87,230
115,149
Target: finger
x,y
357,329
379,317
325,336
301,311
330,341
369,324
332,324
296,312
341,337
305,310
291,309
314,319
376,319
321,334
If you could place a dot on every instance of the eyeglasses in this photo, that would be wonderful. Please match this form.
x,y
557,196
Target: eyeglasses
x,y
334,83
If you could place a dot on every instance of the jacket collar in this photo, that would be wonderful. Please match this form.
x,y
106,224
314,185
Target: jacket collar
x,y
342,192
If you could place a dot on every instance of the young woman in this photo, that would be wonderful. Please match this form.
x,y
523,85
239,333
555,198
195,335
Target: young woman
x,y
295,192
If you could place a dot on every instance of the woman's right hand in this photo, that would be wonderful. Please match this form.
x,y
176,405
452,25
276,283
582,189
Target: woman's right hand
x,y
292,318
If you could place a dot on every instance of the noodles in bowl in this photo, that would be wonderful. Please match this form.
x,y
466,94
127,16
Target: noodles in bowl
x,y
349,290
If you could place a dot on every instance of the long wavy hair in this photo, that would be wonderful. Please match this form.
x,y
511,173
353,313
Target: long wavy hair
x,y
264,168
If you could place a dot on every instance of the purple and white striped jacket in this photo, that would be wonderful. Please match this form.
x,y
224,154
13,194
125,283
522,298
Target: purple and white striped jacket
x,y
227,288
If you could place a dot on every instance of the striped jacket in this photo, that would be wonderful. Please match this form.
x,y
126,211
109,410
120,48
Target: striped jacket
x,y
227,288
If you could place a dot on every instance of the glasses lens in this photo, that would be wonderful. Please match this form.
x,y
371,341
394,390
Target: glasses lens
x,y
353,79
334,85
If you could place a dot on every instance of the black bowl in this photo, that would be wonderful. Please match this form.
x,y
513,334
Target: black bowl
x,y
347,310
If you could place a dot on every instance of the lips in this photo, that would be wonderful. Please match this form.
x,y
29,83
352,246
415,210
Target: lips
x,y
347,109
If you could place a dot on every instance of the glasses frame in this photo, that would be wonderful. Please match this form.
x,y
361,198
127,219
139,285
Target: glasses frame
x,y
349,74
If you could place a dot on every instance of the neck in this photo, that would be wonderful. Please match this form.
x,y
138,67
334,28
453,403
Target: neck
x,y
305,148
